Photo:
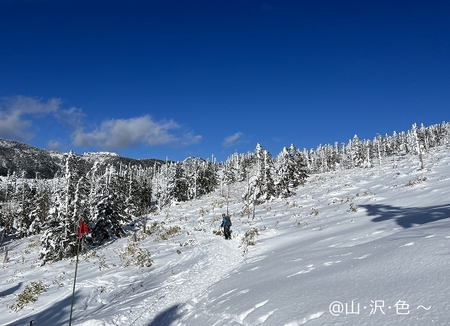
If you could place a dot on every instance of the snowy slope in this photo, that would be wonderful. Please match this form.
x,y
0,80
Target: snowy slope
x,y
356,247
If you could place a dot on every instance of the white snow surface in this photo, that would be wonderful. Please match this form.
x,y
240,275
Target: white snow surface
x,y
354,247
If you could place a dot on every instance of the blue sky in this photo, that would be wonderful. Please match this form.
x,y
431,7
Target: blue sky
x,y
157,79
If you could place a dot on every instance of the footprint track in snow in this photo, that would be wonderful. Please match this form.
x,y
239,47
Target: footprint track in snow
x,y
310,268
263,318
363,256
305,319
244,314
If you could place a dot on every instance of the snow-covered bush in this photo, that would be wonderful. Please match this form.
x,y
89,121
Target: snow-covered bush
x,y
29,294
133,255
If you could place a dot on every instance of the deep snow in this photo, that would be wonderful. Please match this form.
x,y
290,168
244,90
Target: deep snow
x,y
355,247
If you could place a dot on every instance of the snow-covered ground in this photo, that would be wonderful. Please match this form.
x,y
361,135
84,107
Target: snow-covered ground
x,y
356,247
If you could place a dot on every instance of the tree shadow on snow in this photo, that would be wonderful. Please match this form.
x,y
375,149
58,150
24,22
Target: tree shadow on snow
x,y
407,217
167,317
10,290
57,314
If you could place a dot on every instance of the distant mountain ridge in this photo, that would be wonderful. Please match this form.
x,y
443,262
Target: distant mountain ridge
x,y
32,162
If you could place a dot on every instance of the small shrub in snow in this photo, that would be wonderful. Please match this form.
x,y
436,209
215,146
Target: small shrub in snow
x,y
298,223
318,178
218,203
314,211
293,204
171,232
218,232
133,255
154,227
353,207
416,181
249,237
161,232
6,258
31,245
246,210
187,243
89,255
29,294
102,263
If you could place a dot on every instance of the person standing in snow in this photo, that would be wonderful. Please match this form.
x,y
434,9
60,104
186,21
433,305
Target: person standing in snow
x,y
226,224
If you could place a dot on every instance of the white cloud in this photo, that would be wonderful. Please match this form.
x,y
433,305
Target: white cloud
x,y
233,139
73,117
13,124
123,133
53,145
18,113
189,139
31,105
13,127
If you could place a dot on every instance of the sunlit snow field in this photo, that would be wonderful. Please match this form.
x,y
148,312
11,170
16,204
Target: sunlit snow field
x,y
355,247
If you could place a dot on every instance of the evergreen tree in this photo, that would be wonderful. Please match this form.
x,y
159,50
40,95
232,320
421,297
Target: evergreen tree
x,y
55,244
260,187
300,172
417,141
177,184
245,165
40,211
356,152
119,184
144,192
107,221
291,171
8,209
230,169
25,198
192,172
285,173
367,150
161,180
208,179
59,239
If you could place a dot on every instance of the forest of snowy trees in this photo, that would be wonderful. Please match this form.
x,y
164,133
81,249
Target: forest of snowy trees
x,y
109,197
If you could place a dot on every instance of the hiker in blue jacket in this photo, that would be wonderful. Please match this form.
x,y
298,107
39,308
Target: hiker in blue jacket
x,y
226,224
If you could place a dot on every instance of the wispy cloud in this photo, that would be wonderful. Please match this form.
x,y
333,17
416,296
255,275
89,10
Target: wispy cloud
x,y
233,139
17,119
73,117
117,134
15,112
54,145
32,105
13,127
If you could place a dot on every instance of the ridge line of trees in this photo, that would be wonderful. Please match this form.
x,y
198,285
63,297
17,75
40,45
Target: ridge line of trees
x,y
107,198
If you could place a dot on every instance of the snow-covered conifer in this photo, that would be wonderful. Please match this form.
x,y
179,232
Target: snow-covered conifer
x,y
260,186
291,171
107,221
177,185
